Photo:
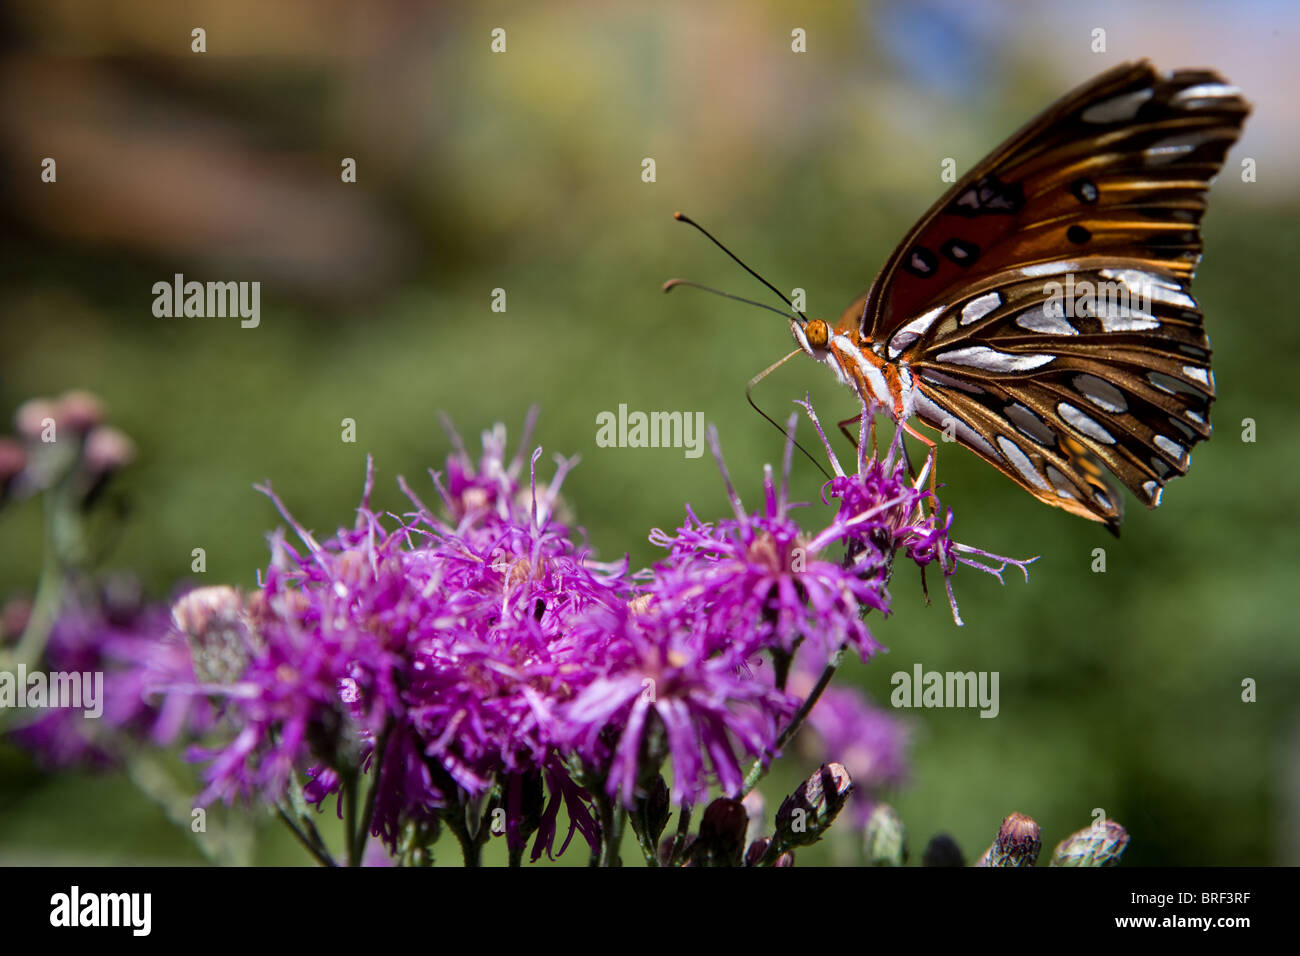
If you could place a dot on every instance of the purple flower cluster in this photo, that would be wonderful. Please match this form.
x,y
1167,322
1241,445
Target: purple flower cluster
x,y
477,655
112,632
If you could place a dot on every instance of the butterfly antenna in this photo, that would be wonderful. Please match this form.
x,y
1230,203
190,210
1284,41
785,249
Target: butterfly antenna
x,y
682,217
674,283
750,398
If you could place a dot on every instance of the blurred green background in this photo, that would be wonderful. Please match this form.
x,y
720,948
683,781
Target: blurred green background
x,y
522,171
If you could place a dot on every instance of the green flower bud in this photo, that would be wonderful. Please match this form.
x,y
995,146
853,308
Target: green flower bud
x,y
885,837
1101,844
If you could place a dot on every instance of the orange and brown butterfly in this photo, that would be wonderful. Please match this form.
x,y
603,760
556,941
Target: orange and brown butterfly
x,y
1040,312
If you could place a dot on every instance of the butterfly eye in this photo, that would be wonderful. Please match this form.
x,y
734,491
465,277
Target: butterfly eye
x,y
817,333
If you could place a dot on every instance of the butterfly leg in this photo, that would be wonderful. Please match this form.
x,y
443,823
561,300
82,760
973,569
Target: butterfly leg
x,y
932,454
853,436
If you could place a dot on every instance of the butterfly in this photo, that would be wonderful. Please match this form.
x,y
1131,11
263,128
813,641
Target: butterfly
x,y
1040,312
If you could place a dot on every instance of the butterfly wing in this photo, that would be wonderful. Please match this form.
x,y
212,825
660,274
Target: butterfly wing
x,y
1103,193
1053,392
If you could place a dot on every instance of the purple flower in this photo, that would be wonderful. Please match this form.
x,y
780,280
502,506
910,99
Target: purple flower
x,y
669,695
479,653
758,582
450,639
882,513
111,631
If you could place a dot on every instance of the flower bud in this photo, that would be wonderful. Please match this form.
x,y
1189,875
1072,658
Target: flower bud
x,y
212,620
29,420
14,616
721,840
12,462
807,813
942,850
656,808
1018,843
107,450
1101,844
885,837
79,411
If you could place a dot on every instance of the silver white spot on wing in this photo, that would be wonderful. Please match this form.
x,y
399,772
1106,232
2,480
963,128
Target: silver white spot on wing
x,y
1020,461
1117,108
1083,424
991,360
939,418
1049,269
1038,320
1194,416
913,331
1101,393
1030,424
947,381
1153,490
1204,91
1166,151
1198,374
1149,284
1169,446
1133,321
1064,487
977,308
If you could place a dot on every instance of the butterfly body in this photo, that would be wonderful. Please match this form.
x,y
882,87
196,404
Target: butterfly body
x,y
1040,313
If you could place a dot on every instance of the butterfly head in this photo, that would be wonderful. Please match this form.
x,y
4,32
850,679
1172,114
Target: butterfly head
x,y
814,337
850,356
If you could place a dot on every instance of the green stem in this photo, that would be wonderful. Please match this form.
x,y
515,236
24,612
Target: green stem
x,y
314,848
350,817
470,848
612,833
49,590
368,813
760,766
679,841
228,843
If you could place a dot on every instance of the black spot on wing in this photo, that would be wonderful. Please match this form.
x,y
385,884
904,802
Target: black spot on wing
x,y
989,196
1085,190
921,262
960,251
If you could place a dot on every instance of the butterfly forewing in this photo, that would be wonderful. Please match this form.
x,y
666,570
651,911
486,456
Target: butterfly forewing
x,y
1043,304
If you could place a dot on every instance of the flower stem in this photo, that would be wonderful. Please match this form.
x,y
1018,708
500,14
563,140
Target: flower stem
x,y
315,849
350,785
760,766
613,818
368,813
49,590
470,849
679,841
